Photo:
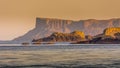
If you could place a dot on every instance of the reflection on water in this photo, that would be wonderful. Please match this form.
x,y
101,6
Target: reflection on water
x,y
71,57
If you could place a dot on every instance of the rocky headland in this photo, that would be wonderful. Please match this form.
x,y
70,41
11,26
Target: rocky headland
x,y
109,36
47,26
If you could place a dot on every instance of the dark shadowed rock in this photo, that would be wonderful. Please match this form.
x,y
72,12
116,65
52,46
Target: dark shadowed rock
x,y
117,35
89,37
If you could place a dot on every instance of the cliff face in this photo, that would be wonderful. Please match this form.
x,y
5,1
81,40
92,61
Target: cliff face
x,y
45,27
62,37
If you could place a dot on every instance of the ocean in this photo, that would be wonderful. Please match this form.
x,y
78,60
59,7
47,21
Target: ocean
x,y
60,56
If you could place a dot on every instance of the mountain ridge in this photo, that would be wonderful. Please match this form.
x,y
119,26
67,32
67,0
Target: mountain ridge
x,y
46,26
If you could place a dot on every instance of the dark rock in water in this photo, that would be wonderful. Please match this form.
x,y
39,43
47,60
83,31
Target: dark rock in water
x,y
81,42
99,40
108,41
46,26
25,43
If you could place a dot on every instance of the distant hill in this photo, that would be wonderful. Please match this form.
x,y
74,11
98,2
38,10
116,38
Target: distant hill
x,y
46,26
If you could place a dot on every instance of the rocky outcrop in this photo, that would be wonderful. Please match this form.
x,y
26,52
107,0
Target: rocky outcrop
x,y
112,31
110,36
62,37
117,35
100,40
46,26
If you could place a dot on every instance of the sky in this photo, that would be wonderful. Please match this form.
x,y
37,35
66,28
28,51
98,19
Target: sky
x,y
17,17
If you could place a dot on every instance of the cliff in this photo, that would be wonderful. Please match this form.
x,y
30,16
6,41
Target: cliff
x,y
62,37
46,26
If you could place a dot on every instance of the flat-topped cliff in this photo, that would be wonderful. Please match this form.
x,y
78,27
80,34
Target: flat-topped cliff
x,y
46,26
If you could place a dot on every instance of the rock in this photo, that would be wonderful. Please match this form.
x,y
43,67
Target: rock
x,y
111,31
78,33
89,37
46,26
109,36
117,35
63,37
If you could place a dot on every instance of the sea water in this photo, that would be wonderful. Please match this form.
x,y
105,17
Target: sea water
x,y
60,56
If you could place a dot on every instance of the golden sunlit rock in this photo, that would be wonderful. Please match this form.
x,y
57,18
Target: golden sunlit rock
x,y
78,33
111,31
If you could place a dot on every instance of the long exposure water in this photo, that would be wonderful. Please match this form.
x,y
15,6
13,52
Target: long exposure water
x,y
60,56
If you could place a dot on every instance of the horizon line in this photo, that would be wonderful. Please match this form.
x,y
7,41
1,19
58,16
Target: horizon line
x,y
76,20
